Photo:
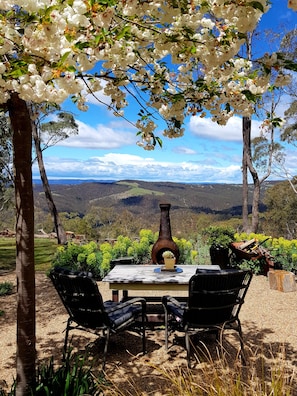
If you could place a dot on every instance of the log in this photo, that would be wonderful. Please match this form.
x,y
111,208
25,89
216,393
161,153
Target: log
x,y
246,244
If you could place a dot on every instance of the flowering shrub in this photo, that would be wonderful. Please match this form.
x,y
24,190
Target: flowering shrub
x,y
141,249
96,258
186,253
121,246
80,257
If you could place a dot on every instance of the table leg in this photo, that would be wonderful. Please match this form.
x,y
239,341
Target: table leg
x,y
125,295
115,296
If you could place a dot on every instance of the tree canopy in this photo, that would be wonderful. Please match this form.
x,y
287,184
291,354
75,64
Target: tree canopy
x,y
281,213
173,58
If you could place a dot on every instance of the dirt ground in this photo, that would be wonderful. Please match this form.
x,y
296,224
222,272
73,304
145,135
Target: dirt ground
x,y
268,317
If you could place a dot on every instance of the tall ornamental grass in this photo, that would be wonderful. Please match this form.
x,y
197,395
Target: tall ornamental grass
x,y
217,377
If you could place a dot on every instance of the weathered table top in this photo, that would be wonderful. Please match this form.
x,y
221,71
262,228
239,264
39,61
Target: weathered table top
x,y
151,276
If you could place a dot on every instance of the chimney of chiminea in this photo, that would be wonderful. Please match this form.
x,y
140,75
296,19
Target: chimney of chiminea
x,y
165,241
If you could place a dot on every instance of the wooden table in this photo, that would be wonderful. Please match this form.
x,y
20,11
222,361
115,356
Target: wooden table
x,y
150,277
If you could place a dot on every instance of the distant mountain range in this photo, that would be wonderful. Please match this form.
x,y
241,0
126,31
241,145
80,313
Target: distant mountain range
x,y
73,181
76,195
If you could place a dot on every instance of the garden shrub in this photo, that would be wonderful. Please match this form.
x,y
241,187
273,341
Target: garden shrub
x,y
71,378
6,288
141,249
86,257
254,265
96,258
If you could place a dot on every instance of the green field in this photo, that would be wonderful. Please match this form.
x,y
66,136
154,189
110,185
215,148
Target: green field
x,y
44,252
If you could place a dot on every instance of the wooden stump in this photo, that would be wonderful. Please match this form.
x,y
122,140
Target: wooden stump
x,y
281,280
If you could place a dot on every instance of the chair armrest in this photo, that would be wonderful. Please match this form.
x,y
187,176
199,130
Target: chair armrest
x,y
172,301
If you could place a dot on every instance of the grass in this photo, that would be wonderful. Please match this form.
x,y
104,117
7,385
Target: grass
x,y
44,252
219,377
135,190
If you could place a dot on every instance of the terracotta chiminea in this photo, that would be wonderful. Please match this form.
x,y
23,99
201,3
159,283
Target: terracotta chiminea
x,y
165,241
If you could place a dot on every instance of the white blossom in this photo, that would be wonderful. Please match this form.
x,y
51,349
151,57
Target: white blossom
x,y
282,79
292,4
159,48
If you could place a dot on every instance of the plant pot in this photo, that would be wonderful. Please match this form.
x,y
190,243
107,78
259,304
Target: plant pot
x,y
219,256
169,263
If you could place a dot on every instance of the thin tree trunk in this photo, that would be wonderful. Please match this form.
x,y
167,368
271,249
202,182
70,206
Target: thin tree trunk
x,y
256,203
61,235
26,317
247,164
246,138
247,126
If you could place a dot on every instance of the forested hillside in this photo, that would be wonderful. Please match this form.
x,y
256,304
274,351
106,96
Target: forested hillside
x,y
102,210
140,196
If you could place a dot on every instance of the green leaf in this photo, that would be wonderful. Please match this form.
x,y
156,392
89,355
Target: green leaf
x,y
159,141
71,69
250,96
257,5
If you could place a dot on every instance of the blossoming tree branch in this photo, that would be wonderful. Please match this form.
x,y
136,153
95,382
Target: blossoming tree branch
x,y
174,58
181,54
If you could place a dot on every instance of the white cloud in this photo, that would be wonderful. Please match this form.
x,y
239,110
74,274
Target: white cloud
x,y
114,166
206,128
100,137
184,150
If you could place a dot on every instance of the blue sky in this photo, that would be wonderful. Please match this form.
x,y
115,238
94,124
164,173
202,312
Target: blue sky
x,y
105,148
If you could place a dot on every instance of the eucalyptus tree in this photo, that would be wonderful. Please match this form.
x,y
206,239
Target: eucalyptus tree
x,y
289,130
172,58
55,130
280,218
50,126
287,125
263,151
260,154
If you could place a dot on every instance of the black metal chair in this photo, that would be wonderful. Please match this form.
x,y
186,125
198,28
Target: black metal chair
x,y
87,311
214,301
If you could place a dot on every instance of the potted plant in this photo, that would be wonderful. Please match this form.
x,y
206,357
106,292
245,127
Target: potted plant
x,y
219,238
169,259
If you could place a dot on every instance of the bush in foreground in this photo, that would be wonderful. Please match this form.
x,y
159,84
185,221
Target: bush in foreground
x,y
72,378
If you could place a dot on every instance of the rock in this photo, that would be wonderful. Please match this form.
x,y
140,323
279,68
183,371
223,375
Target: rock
x,y
281,280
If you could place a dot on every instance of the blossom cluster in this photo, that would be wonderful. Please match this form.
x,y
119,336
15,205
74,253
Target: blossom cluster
x,y
292,4
182,56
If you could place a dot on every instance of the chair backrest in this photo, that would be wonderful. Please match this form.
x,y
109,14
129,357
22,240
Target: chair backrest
x,y
216,296
81,297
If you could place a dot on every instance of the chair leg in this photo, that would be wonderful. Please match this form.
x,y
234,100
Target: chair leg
x,y
105,348
166,329
66,338
242,352
144,320
188,346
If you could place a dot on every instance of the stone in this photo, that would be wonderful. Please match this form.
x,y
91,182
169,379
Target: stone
x,y
282,280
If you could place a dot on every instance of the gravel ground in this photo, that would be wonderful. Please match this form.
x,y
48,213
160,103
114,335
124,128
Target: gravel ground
x,y
268,318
